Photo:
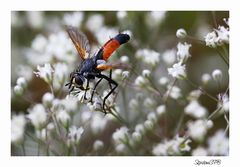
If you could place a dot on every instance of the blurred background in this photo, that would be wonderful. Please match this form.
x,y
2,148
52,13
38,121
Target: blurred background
x,y
34,42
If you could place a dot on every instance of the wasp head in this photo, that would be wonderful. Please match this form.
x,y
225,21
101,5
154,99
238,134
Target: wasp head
x,y
76,80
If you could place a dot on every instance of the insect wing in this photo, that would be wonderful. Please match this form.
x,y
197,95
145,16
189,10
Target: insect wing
x,y
80,41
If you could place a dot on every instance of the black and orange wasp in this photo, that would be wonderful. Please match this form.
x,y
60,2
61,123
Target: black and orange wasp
x,y
92,65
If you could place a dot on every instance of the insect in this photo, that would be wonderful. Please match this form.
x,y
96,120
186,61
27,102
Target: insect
x,y
92,65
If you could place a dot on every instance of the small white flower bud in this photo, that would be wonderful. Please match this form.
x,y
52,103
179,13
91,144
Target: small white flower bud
x,y
136,136
125,74
152,117
18,90
181,33
209,124
124,59
206,78
140,128
163,81
98,145
148,125
161,110
146,73
47,99
22,82
217,75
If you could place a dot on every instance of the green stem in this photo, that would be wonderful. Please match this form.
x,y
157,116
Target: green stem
x,y
202,90
223,57
23,148
214,113
118,117
165,98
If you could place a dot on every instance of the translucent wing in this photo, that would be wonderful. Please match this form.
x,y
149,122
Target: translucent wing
x,y
80,41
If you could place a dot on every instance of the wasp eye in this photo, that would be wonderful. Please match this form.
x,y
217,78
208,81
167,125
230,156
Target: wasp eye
x,y
79,79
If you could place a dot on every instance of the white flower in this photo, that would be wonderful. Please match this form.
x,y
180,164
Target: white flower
x,y
120,135
152,116
18,90
45,72
155,17
59,46
163,81
21,81
169,56
35,19
161,110
140,82
206,78
177,71
120,148
74,135
60,71
175,92
217,75
183,52
37,116
17,128
160,149
42,133
125,74
136,136
149,57
124,59
98,145
117,74
63,117
225,102
199,151
70,103
73,19
181,33
148,124
102,31
133,104
39,43
146,73
172,147
223,35
140,129
95,22
121,15
194,95
149,102
85,116
47,99
24,71
211,39
197,129
98,123
218,144
195,109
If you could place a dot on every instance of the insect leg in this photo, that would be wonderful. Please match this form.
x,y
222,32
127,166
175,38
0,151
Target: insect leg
x,y
85,98
111,91
94,89
110,76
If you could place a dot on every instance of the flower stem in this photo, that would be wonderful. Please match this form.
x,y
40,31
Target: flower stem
x,y
117,116
202,90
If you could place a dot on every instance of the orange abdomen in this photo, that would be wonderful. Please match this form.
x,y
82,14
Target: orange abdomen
x,y
109,48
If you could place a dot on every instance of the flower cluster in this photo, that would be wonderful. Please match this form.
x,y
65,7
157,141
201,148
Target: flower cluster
x,y
166,103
